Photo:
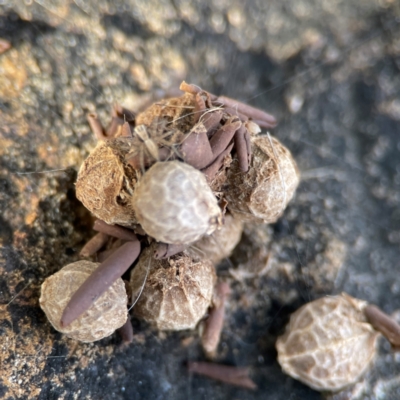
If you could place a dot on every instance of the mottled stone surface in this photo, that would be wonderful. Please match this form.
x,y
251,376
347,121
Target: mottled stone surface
x,y
329,71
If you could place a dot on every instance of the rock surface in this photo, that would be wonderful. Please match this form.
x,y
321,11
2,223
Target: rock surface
x,y
329,71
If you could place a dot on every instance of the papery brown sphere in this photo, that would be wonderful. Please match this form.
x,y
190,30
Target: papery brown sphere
x,y
108,313
176,111
262,193
106,183
328,343
177,291
174,204
220,244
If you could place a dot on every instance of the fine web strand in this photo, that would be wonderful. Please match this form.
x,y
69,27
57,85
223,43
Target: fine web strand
x,y
142,287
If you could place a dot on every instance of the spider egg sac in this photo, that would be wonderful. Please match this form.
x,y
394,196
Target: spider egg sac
x,y
328,343
262,193
177,291
176,111
174,204
220,244
107,313
106,183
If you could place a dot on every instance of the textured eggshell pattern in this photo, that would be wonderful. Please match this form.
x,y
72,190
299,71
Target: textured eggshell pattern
x,y
174,204
220,244
262,193
176,293
105,184
108,313
177,111
328,343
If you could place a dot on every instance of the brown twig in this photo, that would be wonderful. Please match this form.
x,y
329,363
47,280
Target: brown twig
x,y
94,244
196,148
199,107
220,140
251,112
96,126
114,230
384,324
123,113
189,88
211,121
243,152
215,166
101,279
126,331
238,376
215,321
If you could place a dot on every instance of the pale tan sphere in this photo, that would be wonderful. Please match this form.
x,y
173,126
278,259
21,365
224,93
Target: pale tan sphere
x,y
106,183
174,204
176,293
108,313
328,343
262,193
220,244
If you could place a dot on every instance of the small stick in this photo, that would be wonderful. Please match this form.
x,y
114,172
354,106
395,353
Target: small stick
x,y
101,279
194,89
165,250
96,126
117,110
196,147
238,376
211,121
199,107
189,88
248,145
114,230
242,150
251,112
224,135
123,113
215,166
215,321
94,244
114,128
126,331
263,124
103,255
140,161
384,324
